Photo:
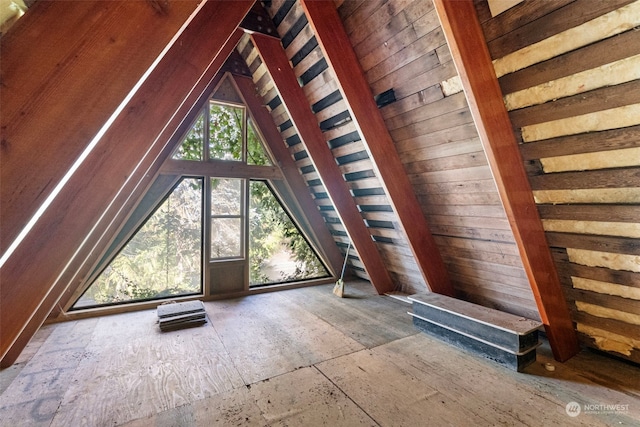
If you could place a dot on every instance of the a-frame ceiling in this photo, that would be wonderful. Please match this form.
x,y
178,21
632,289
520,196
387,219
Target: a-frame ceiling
x,y
97,143
125,148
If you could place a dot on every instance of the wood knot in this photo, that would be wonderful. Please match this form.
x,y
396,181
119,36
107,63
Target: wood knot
x,y
160,6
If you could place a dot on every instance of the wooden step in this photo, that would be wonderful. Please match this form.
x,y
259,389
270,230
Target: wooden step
x,y
505,338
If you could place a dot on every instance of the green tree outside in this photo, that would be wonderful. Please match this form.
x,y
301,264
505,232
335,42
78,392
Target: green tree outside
x,y
164,258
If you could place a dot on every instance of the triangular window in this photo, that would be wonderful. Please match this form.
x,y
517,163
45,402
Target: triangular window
x,y
221,228
191,147
224,131
278,251
163,258
256,154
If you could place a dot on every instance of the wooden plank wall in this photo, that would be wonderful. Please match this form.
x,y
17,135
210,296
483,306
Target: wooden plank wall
x,y
343,139
570,75
401,46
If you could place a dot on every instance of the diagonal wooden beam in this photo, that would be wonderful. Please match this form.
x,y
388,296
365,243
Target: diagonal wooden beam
x,y
291,173
471,57
306,124
31,276
340,56
66,66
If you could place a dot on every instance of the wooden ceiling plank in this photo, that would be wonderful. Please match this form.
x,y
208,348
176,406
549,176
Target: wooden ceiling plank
x,y
291,173
304,120
471,57
62,78
338,52
121,159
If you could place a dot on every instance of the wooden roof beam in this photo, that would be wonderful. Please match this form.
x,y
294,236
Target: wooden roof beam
x,y
355,90
66,67
31,277
471,57
292,176
306,123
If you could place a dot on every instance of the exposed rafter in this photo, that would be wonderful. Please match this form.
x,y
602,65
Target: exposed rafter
x,y
292,176
87,78
118,163
297,106
471,57
338,52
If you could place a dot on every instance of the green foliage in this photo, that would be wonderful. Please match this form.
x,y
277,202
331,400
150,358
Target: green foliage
x,y
274,239
162,259
191,146
256,154
265,232
226,125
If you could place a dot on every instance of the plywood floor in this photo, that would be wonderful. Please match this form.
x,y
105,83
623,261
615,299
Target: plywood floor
x,y
296,358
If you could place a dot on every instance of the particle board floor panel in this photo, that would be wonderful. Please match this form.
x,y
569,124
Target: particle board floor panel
x,y
300,357
267,336
303,397
371,323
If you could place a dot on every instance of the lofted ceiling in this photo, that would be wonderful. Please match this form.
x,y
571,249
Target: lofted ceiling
x,y
125,150
376,138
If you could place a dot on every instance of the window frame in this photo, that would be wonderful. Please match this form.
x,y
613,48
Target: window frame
x,y
271,188
242,216
134,232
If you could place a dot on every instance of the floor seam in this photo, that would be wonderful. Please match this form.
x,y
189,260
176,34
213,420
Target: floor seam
x,y
346,395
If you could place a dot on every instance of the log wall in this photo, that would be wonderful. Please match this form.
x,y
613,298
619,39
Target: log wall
x,y
570,75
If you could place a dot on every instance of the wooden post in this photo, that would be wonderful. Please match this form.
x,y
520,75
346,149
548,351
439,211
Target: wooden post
x,y
306,123
471,57
338,52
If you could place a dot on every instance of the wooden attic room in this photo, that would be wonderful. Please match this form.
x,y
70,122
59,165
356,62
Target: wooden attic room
x,y
471,167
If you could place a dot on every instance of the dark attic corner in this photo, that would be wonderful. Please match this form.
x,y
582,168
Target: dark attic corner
x,y
183,183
